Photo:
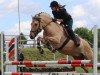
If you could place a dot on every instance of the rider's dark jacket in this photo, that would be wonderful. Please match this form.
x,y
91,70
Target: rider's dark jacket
x,y
62,14
20,56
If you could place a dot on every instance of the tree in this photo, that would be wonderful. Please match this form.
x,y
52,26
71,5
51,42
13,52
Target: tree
x,y
22,39
84,33
99,37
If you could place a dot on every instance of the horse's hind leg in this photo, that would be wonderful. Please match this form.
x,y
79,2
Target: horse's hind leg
x,y
87,51
81,57
88,54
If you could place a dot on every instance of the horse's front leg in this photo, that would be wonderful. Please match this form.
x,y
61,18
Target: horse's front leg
x,y
50,47
39,39
50,41
43,41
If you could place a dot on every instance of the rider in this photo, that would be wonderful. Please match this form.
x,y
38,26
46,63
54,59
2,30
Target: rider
x,y
60,14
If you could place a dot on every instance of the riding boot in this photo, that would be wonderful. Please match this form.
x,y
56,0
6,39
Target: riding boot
x,y
72,36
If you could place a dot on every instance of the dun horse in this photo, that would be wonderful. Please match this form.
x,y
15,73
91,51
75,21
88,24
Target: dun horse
x,y
54,35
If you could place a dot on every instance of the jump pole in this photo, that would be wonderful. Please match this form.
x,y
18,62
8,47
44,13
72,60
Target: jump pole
x,y
49,62
57,65
18,73
95,50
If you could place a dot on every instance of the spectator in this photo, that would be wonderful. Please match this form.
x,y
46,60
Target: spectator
x,y
20,58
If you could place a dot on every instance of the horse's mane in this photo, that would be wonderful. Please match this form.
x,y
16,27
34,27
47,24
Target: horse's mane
x,y
41,13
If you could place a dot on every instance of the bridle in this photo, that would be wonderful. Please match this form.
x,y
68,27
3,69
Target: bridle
x,y
39,28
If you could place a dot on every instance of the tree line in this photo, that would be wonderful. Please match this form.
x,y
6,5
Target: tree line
x,y
87,34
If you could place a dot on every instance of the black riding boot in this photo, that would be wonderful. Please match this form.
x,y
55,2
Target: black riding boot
x,y
72,36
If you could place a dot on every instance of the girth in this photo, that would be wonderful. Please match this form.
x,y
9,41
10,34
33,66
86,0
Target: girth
x,y
65,42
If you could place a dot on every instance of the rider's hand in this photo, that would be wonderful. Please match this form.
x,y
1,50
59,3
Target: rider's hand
x,y
54,20
60,20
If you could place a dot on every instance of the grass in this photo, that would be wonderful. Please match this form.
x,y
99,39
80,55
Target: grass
x,y
33,54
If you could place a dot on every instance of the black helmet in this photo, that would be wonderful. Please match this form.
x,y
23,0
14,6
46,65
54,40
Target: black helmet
x,y
54,3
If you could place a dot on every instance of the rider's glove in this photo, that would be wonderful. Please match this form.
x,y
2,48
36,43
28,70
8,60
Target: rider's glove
x,y
54,20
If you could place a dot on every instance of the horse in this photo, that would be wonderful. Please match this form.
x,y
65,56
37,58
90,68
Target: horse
x,y
54,35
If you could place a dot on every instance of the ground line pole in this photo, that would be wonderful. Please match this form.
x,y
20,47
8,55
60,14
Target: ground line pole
x,y
95,50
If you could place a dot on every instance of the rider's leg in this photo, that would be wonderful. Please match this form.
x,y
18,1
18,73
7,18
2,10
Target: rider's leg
x,y
71,33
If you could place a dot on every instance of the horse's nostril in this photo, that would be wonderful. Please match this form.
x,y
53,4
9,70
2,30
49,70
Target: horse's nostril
x,y
31,37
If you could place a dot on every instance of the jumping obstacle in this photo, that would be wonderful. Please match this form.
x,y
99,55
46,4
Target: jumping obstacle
x,y
44,64
49,62
72,63
4,47
75,63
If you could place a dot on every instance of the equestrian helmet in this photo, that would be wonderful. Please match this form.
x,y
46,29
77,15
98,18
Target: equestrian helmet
x,y
54,4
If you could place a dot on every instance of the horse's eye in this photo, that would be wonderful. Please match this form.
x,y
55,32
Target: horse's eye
x,y
35,24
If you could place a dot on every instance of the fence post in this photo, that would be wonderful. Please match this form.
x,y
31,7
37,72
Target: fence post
x,y
2,53
16,47
95,50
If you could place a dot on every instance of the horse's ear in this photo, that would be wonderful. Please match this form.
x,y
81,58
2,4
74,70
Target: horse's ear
x,y
39,19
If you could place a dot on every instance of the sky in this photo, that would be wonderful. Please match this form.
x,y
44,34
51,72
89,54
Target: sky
x,y
85,13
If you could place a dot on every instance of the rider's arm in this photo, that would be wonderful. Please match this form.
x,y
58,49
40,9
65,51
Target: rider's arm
x,y
55,18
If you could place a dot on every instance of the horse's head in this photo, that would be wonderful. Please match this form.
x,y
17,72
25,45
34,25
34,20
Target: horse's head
x,y
39,22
